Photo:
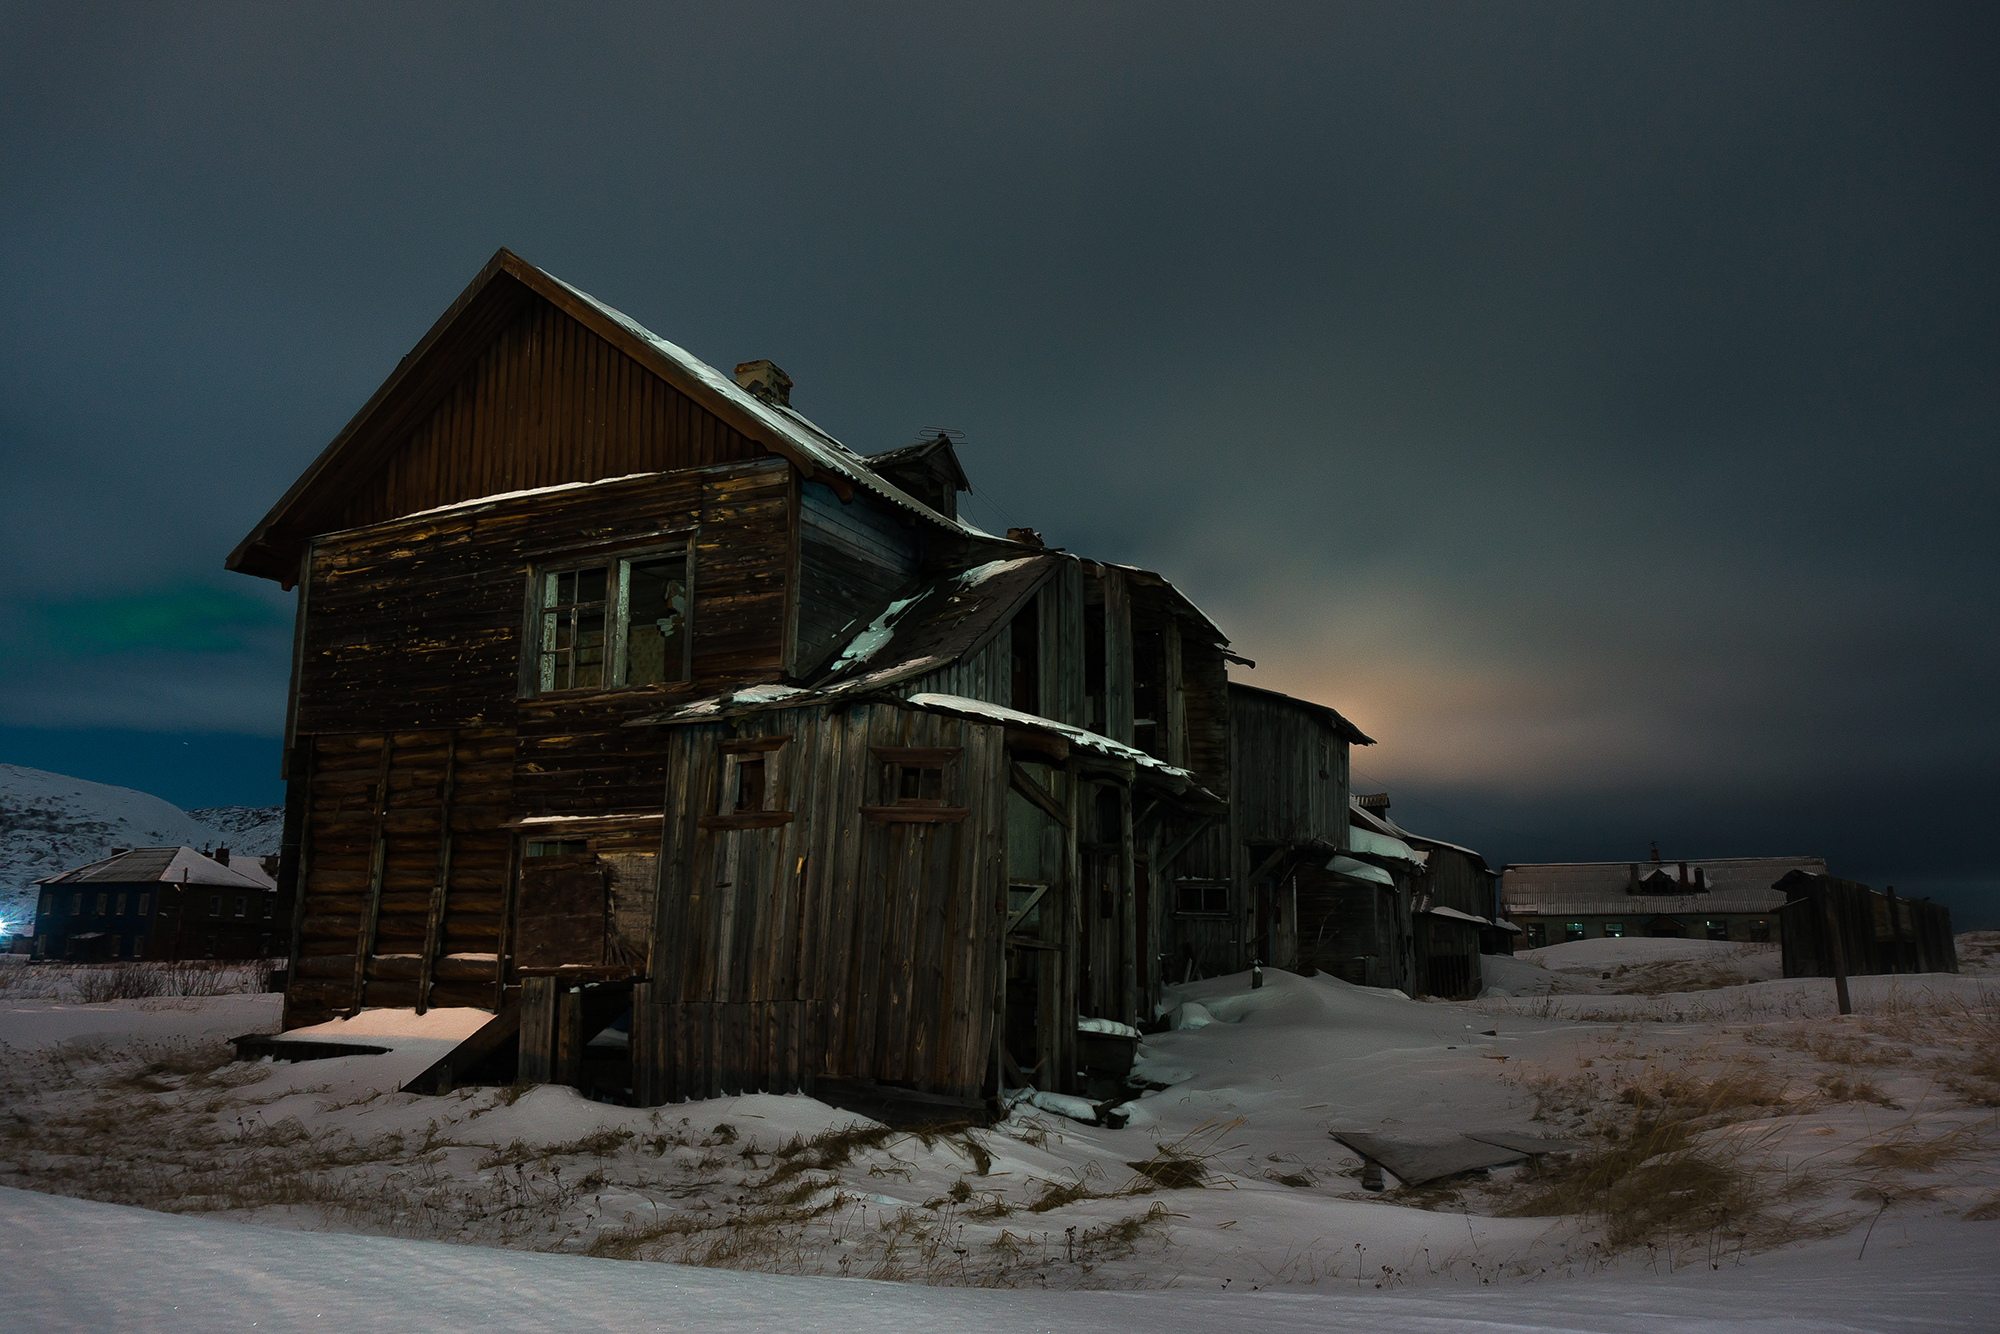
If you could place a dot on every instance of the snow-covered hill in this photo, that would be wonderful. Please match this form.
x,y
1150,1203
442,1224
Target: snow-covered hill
x,y
52,822
254,831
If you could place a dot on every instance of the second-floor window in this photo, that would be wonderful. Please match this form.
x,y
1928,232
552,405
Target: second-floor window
x,y
607,623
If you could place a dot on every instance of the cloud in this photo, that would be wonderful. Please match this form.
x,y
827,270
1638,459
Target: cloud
x,y
179,619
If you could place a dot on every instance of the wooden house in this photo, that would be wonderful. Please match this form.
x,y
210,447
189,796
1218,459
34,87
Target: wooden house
x,y
162,904
623,694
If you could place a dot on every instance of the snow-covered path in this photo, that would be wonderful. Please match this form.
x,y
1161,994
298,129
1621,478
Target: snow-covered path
x,y
76,1264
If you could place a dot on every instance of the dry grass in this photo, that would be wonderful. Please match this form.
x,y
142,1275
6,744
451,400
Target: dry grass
x,y
1906,1149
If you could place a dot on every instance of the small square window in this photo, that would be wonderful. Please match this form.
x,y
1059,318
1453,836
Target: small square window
x,y
1572,931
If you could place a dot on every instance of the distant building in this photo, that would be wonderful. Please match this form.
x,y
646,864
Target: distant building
x,y
163,903
1718,898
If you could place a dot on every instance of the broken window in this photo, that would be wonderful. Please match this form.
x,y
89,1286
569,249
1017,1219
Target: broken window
x,y
918,784
1024,637
610,623
750,787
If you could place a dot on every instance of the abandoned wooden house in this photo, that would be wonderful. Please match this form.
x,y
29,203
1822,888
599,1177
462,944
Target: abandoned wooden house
x,y
162,904
1722,898
709,754
1837,928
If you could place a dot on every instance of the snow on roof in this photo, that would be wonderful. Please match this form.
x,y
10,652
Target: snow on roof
x,y
1358,870
1460,916
1076,736
1371,844
499,496
148,865
820,449
1384,824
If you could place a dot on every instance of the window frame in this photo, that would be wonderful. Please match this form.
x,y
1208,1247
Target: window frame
x,y
947,761
1205,884
767,751
616,562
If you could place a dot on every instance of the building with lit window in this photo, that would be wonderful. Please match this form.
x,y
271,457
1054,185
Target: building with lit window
x,y
1718,898
162,903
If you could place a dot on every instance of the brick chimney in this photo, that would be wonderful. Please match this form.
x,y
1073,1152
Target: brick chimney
x,y
764,379
221,854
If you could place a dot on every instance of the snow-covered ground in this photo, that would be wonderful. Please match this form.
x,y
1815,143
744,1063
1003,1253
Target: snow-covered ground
x,y
75,1265
51,823
1732,1164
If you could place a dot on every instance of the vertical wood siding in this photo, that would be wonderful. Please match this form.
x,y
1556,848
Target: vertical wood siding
x,y
547,402
893,929
853,558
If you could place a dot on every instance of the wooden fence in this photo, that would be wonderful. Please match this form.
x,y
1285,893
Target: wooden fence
x,y
1834,927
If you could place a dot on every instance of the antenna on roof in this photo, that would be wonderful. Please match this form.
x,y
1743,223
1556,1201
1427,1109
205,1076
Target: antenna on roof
x,y
931,433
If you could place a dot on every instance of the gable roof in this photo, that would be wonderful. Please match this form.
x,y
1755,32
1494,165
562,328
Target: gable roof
x,y
141,866
501,291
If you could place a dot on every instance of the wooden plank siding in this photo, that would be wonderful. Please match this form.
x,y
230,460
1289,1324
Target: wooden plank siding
x,y
891,928
415,634
547,402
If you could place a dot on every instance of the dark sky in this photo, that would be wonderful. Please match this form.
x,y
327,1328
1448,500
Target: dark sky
x,y
1597,403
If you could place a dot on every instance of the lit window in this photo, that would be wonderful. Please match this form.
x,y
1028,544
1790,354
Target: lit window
x,y
1760,931
621,622
1614,930
1572,931
1538,935
1718,930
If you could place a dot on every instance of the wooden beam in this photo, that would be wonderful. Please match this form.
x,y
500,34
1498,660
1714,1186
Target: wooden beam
x,y
1015,917
1181,840
364,940
301,877
434,924
1026,784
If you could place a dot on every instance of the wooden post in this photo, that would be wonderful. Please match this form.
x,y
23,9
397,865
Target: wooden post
x,y
1129,909
538,1022
642,1043
570,1037
1835,954
301,876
